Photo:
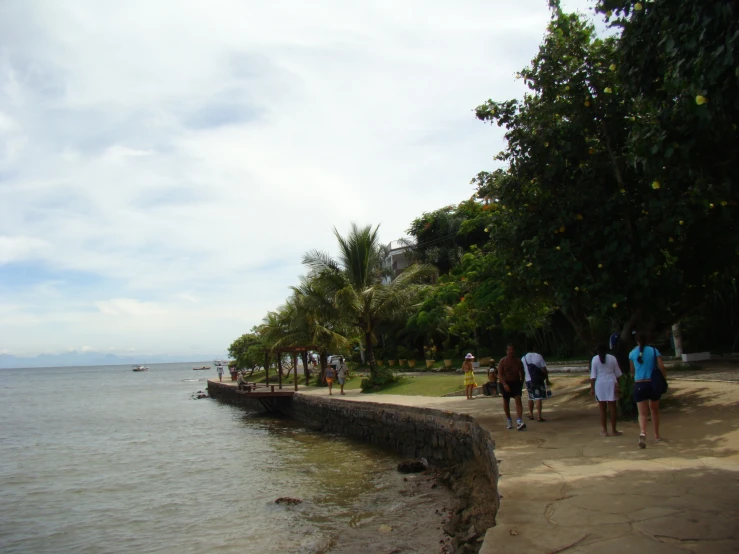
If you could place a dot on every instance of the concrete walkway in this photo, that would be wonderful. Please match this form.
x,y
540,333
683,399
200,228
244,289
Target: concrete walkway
x,y
565,488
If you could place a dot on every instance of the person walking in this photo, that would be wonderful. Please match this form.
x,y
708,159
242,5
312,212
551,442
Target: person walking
x,y
469,375
604,374
342,373
644,362
328,378
219,369
535,370
512,376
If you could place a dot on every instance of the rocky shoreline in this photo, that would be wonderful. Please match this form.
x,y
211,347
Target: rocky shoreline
x,y
460,453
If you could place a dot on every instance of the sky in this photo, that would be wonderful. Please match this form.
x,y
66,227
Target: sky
x,y
165,165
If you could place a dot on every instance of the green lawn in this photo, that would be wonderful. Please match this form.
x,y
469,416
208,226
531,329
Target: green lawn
x,y
431,384
423,385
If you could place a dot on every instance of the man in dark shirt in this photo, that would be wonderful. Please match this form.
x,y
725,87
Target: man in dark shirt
x,y
512,377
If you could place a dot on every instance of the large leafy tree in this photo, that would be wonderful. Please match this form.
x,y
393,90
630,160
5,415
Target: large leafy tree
x,y
679,62
568,209
355,284
443,236
248,350
575,221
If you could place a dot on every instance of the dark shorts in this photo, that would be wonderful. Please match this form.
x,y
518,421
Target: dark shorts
x,y
537,390
645,391
516,388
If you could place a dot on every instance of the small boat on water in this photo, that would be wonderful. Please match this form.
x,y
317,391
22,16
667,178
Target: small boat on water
x,y
201,368
140,368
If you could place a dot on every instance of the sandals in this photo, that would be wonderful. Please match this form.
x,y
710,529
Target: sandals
x,y
642,441
540,419
529,416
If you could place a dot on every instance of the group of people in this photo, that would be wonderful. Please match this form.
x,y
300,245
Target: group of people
x,y
340,372
512,374
508,380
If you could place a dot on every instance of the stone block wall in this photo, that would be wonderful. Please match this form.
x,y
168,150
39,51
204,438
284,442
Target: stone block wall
x,y
443,438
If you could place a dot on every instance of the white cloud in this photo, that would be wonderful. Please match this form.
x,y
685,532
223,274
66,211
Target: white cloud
x,y
178,159
19,248
128,307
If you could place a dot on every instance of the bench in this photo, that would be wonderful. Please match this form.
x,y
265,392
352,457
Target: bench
x,y
249,387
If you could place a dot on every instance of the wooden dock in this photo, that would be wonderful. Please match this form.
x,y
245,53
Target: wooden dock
x,y
269,398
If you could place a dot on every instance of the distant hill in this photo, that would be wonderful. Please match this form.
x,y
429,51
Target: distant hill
x,y
75,358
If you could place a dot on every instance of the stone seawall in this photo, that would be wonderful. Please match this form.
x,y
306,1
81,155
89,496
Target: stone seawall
x,y
443,438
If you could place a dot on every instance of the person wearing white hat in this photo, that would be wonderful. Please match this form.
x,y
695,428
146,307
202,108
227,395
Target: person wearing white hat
x,y
469,375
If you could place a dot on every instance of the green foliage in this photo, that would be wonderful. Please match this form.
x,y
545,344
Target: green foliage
x,y
576,224
355,285
379,379
443,236
247,351
430,351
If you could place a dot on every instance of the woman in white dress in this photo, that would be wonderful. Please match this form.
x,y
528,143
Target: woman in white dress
x,y
604,374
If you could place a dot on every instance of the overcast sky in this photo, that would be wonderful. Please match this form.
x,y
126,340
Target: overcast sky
x,y
165,164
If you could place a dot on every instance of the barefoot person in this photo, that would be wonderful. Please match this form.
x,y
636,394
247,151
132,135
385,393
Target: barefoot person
x,y
644,360
535,369
342,373
469,375
511,375
604,374
328,378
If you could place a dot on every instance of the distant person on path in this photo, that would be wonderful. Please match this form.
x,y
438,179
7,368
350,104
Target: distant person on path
x,y
491,387
328,378
604,374
512,376
219,369
644,361
342,373
535,369
469,375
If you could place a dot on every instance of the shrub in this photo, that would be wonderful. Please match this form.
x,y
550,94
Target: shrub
x,y
383,377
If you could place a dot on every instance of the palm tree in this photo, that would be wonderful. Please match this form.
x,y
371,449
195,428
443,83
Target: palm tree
x,y
354,284
308,318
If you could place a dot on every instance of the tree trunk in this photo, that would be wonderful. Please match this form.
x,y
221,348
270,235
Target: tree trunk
x,y
305,368
323,358
678,338
362,353
370,354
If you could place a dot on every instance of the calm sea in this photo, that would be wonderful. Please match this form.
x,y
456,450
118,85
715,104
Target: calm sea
x,y
102,459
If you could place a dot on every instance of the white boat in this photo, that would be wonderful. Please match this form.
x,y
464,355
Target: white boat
x,y
140,368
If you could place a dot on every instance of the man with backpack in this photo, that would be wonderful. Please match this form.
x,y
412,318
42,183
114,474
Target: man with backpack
x,y
536,382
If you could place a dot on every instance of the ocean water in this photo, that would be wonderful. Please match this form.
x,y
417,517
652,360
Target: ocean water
x,y
103,459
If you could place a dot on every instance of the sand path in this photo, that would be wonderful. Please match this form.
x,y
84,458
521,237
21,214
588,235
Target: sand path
x,y
565,488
